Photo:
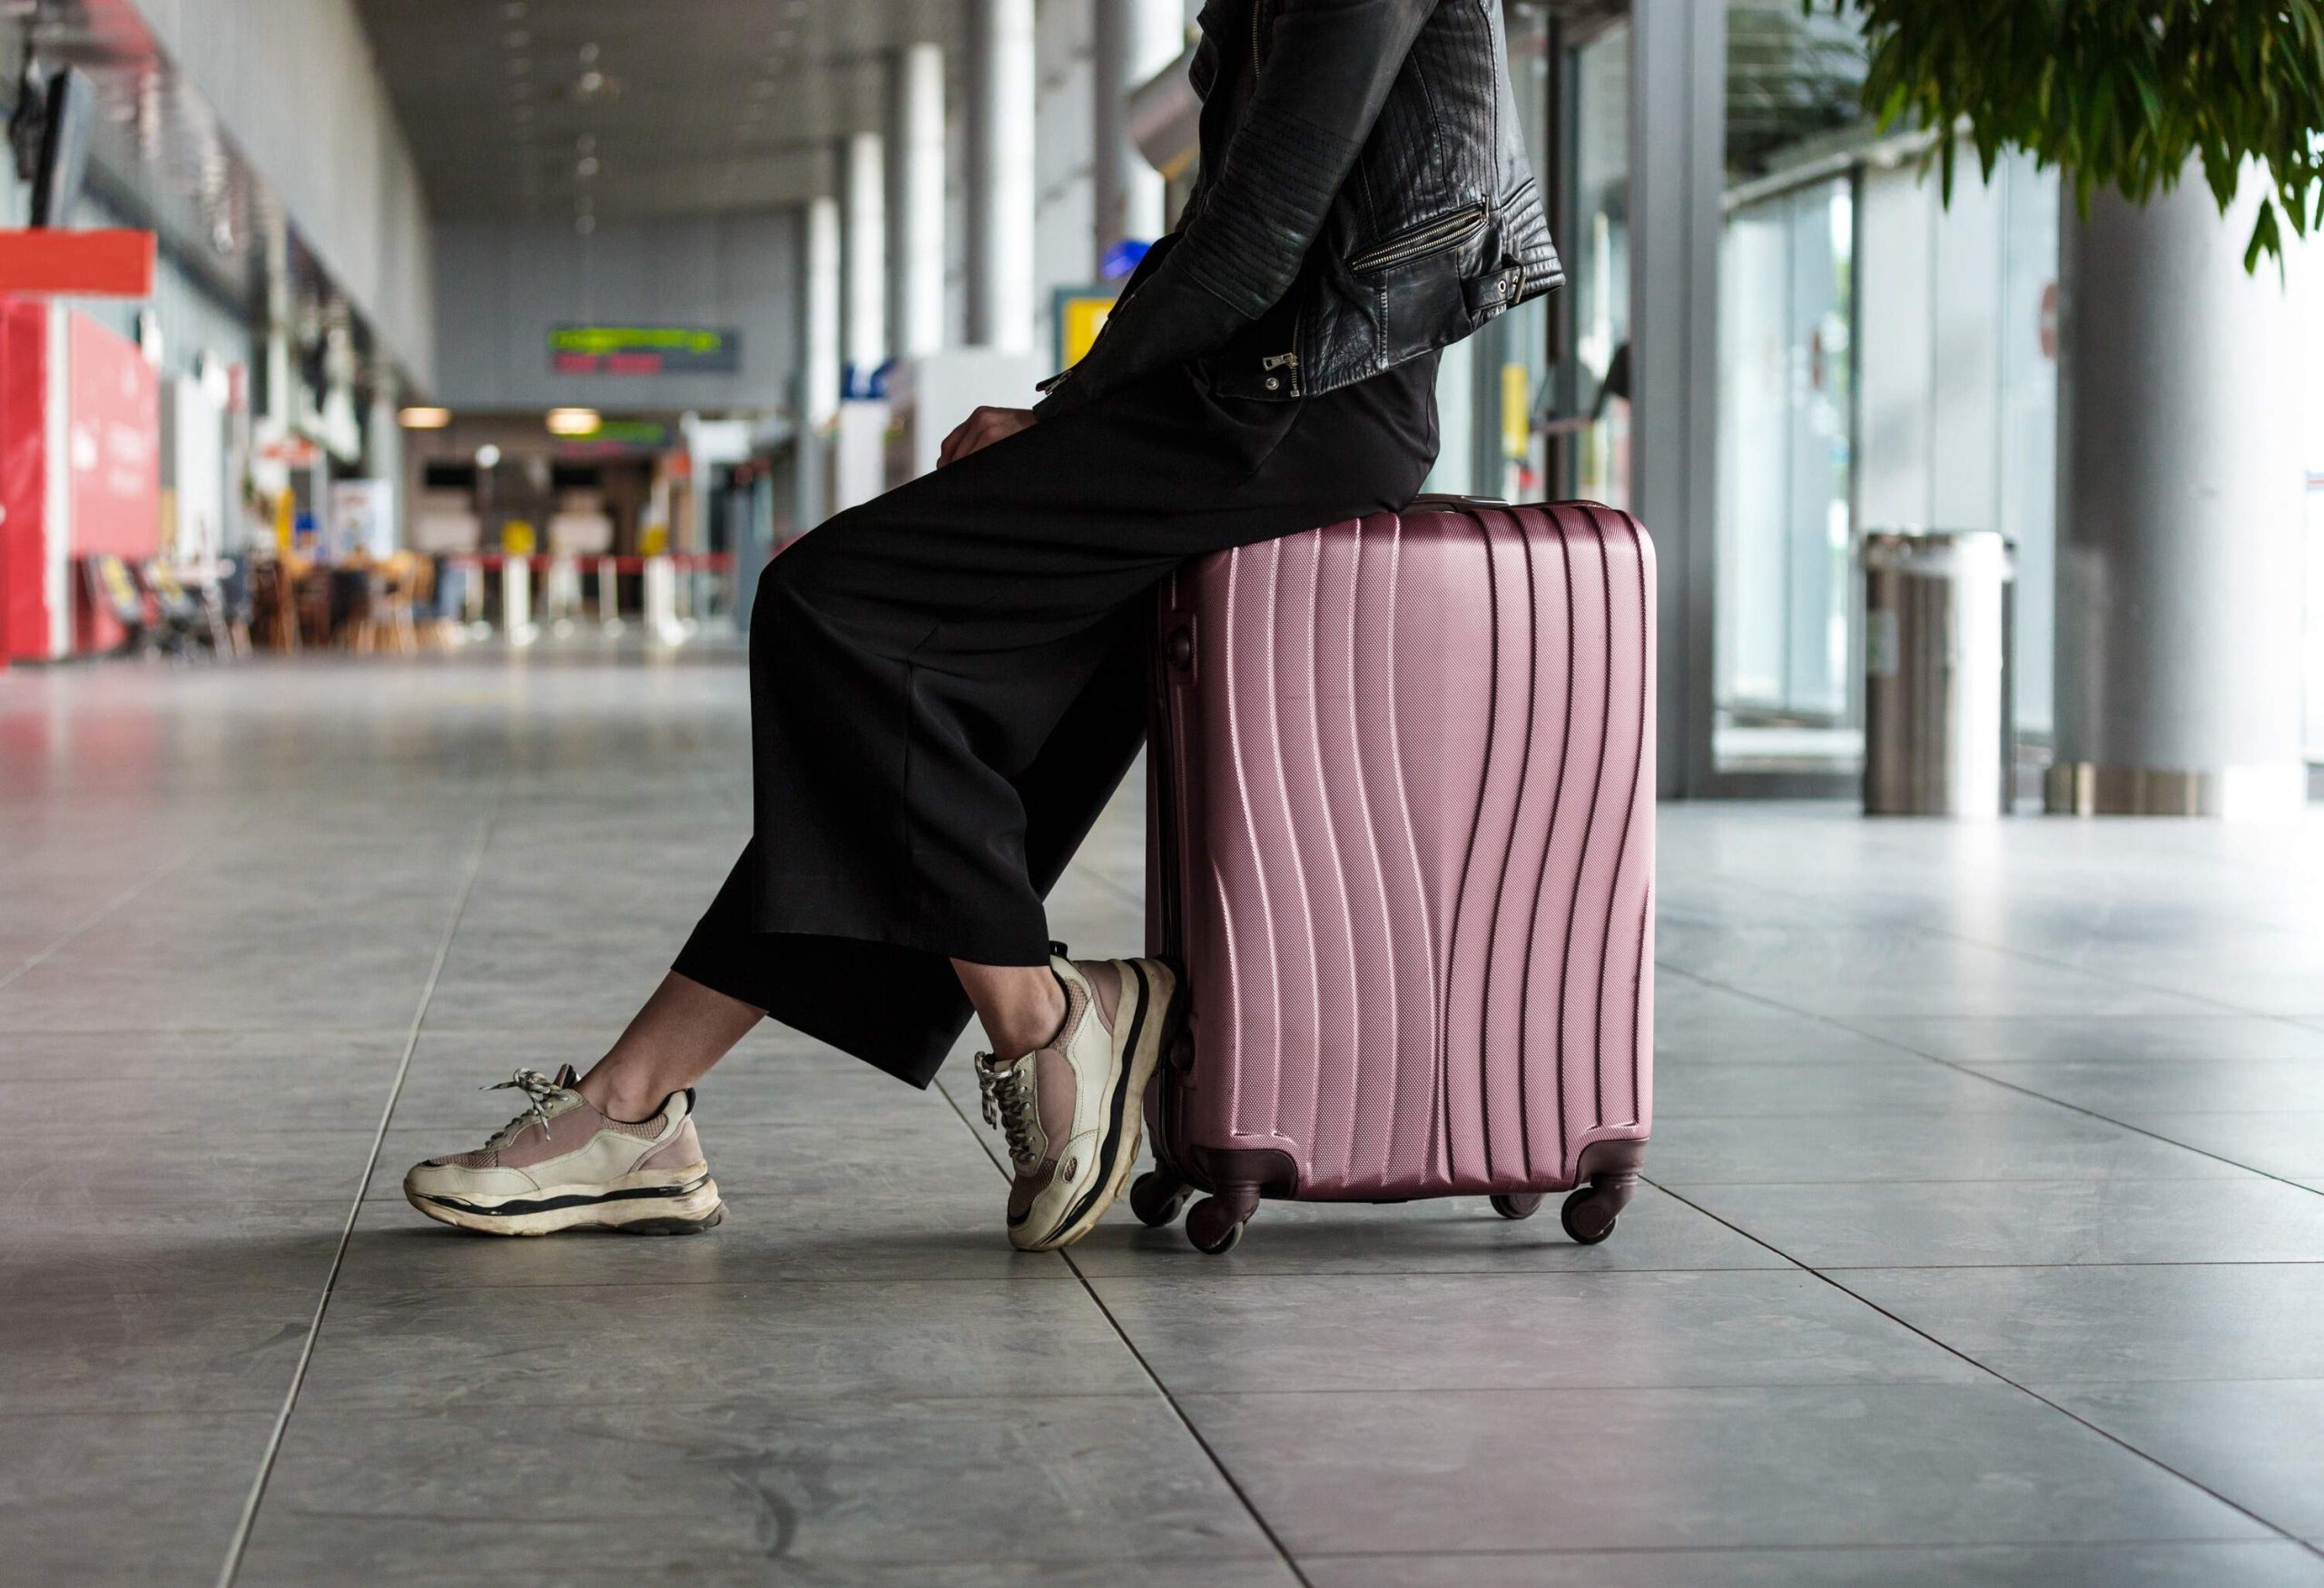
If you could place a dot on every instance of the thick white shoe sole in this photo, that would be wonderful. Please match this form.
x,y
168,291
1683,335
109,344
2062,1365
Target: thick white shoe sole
x,y
1139,1045
659,1202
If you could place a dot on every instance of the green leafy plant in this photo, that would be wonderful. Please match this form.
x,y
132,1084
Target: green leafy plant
x,y
2118,94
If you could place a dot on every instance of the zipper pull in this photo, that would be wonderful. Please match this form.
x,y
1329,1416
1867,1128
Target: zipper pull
x,y
1280,359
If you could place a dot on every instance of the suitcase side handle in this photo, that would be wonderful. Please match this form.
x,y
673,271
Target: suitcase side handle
x,y
1454,499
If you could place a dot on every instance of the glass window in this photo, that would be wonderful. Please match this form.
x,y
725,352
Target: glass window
x,y
1598,266
1786,282
1887,360
1491,386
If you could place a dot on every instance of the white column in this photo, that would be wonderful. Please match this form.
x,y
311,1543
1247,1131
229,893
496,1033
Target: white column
x,y
2180,492
820,366
866,269
1678,138
1000,174
916,200
1131,40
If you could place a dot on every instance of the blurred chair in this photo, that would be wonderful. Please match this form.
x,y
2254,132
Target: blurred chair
x,y
321,598
113,590
274,604
186,618
388,621
235,609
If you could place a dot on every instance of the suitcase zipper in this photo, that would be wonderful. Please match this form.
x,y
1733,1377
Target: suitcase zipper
x,y
1424,239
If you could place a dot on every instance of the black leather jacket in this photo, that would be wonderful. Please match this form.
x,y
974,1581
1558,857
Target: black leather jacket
x,y
1363,197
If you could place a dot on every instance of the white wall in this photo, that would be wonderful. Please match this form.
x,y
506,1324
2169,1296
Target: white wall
x,y
502,288
292,83
191,317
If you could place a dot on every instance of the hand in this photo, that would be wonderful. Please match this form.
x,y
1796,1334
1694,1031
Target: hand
x,y
981,429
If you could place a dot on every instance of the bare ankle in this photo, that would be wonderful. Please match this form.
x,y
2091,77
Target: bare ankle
x,y
1035,1024
611,1095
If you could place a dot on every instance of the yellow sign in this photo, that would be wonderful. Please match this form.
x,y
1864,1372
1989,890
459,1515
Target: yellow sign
x,y
1080,316
517,539
1516,412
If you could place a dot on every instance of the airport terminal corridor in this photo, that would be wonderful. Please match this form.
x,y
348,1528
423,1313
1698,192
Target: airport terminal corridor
x,y
1982,1238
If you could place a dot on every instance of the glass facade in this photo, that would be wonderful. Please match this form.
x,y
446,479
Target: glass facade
x,y
1887,358
1785,457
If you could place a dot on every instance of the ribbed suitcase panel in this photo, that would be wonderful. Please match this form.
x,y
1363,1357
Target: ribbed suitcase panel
x,y
1414,789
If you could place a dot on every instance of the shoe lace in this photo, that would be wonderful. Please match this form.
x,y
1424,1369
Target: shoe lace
x,y
1008,1102
539,1089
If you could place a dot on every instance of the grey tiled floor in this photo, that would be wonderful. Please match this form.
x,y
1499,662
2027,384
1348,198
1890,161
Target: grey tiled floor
x,y
1985,1240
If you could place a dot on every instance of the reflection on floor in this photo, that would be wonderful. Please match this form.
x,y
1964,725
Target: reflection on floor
x,y
1986,1242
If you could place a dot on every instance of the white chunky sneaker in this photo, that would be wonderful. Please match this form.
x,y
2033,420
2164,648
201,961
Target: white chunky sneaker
x,y
562,1165
1073,1113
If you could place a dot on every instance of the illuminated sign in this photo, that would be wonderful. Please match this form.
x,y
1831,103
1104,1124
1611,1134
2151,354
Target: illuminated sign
x,y
1080,315
616,438
644,349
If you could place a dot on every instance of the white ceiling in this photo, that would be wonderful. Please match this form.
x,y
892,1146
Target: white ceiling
x,y
695,105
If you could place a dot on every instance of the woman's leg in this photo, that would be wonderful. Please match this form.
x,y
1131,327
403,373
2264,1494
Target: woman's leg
x,y
685,1028
1021,1007
670,1043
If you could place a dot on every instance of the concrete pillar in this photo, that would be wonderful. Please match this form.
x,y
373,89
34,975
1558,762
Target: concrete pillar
x,y
820,336
1678,140
1130,40
383,450
2179,591
916,201
1000,174
865,279
819,364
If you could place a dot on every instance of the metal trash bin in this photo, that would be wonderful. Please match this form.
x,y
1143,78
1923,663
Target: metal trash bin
x,y
1940,622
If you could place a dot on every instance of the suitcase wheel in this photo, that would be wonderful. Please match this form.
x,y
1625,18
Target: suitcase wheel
x,y
1158,1198
1215,1225
1518,1204
1588,1215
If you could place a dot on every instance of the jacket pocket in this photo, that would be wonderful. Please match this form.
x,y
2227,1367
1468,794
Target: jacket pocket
x,y
1421,306
1419,241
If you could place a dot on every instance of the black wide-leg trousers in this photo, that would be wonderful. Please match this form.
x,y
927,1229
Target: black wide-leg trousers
x,y
948,683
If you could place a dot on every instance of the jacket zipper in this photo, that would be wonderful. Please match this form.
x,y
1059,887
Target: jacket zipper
x,y
1424,239
1287,359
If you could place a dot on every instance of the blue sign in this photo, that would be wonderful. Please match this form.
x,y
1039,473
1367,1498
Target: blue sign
x,y
1122,258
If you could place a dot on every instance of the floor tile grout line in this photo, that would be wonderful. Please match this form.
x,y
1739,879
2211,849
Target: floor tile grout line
x,y
1234,1485
1266,1531
1998,1376
102,913
239,1542
2047,961
2205,1540
1959,1068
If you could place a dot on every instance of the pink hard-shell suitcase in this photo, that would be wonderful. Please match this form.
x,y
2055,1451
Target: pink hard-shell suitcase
x,y
1402,844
